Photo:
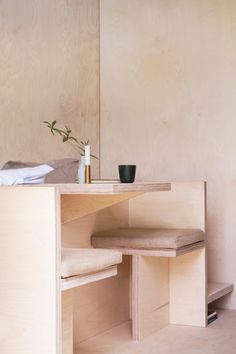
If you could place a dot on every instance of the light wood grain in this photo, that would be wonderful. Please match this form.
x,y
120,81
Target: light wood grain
x,y
94,310
171,339
29,306
75,281
111,188
77,233
78,206
163,106
79,200
160,252
150,295
188,289
49,70
101,305
182,207
67,322
217,290
93,304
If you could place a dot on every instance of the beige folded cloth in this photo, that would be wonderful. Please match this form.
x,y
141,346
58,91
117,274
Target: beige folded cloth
x,y
65,170
26,175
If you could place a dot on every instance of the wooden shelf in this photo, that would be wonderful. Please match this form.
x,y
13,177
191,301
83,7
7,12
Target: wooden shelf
x,y
217,290
164,252
73,282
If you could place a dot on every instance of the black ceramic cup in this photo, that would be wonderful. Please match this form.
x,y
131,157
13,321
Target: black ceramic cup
x,y
127,173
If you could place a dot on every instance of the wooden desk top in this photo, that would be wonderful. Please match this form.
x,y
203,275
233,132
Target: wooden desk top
x,y
116,188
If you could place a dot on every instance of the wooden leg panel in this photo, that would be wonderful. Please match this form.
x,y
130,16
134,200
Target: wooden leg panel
x,y
188,289
67,322
150,295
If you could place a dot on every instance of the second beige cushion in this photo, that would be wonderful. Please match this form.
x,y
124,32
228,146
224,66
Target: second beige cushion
x,y
143,238
82,261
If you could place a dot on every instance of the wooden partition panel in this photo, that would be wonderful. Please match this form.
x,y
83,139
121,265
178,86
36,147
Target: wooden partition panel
x,y
150,289
188,304
182,207
67,321
29,307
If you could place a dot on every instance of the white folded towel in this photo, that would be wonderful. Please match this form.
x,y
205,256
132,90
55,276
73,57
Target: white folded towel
x,y
24,175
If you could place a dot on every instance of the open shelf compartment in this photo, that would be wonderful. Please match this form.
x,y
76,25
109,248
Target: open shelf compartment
x,y
217,290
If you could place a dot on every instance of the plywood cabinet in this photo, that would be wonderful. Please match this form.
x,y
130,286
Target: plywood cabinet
x,y
31,238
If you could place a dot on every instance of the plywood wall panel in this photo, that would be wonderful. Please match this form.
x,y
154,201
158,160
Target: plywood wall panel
x,y
49,69
167,104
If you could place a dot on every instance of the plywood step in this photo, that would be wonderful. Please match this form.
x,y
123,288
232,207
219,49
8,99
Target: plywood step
x,y
73,282
217,290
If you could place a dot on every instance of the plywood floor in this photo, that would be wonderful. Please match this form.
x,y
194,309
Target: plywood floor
x,y
218,338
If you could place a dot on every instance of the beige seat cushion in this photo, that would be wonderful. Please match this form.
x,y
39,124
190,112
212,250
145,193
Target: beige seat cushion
x,y
82,261
142,238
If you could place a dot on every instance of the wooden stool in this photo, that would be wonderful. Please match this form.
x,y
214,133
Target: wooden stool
x,y
159,285
80,267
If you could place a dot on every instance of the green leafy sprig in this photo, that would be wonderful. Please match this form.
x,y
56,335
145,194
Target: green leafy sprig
x,y
67,136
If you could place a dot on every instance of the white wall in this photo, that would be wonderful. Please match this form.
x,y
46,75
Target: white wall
x,y
168,104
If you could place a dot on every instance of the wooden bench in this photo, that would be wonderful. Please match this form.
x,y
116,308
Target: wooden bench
x,y
142,243
80,266
150,241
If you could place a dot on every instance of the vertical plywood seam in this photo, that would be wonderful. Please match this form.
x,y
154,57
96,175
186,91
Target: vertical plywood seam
x,y
206,250
138,298
135,297
169,285
99,88
58,270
